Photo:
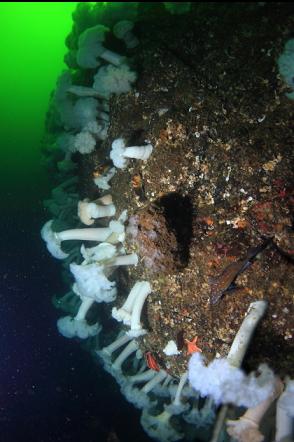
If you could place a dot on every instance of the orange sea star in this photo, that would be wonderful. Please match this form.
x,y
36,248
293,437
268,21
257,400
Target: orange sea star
x,y
192,346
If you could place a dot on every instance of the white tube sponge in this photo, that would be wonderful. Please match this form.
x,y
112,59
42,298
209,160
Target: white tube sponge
x,y
285,415
138,152
93,234
157,379
124,313
90,48
223,380
84,142
246,428
159,427
203,416
103,181
136,327
54,239
127,351
105,255
119,342
243,337
183,380
114,80
145,376
78,327
83,91
85,111
123,30
84,308
286,65
105,199
130,312
123,260
119,153
227,384
91,282
99,131
70,327
89,211
98,254
140,396
53,242
177,406
113,234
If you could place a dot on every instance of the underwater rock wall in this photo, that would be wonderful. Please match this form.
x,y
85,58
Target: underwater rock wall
x,y
169,139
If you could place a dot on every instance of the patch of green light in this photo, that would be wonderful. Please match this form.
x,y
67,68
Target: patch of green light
x,y
32,49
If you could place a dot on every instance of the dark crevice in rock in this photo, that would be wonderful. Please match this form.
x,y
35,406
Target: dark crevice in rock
x,y
178,212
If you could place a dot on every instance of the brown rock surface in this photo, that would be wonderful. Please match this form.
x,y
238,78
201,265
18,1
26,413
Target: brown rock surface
x,y
219,181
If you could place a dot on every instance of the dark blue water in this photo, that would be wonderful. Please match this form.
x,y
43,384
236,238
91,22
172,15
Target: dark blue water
x,y
50,389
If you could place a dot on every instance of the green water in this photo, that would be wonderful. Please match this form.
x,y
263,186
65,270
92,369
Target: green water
x,y
32,48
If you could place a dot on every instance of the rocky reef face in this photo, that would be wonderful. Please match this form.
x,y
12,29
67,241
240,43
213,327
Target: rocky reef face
x,y
219,181
210,213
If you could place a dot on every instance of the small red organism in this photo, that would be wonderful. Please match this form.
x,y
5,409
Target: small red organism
x,y
151,361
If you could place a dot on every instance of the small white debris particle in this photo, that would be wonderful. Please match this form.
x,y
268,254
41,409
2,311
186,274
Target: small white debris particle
x,y
171,349
261,119
229,172
162,111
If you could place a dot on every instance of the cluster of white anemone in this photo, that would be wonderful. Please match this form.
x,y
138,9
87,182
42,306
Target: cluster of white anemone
x,y
156,393
83,113
94,280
